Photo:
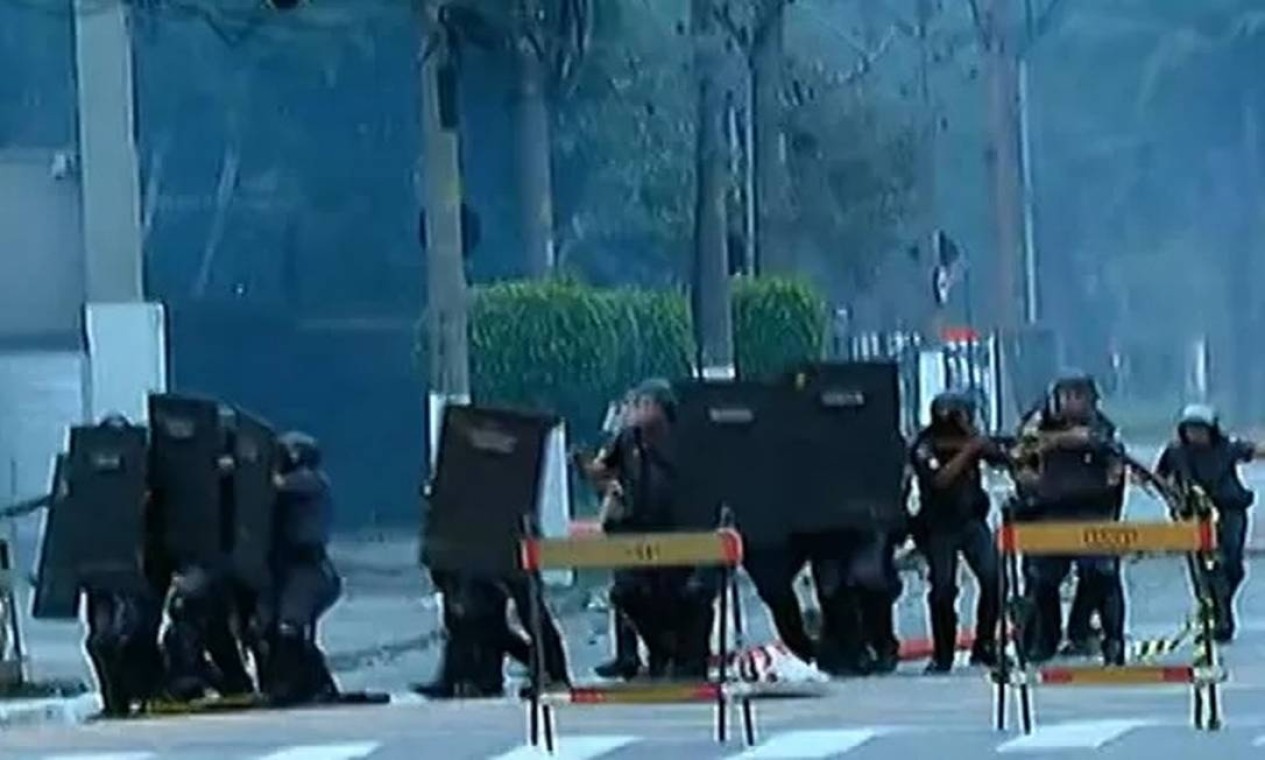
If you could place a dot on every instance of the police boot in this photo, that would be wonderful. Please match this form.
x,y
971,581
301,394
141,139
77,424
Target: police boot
x,y
944,631
105,665
627,662
1113,652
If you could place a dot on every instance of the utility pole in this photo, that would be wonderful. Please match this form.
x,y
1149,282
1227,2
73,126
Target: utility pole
x,y
713,320
447,297
110,178
1005,157
929,127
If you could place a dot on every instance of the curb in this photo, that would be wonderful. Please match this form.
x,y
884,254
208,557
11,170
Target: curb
x,y
56,710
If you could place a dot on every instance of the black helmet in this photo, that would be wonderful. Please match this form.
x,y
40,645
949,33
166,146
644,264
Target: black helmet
x,y
660,392
114,420
297,450
948,403
1072,381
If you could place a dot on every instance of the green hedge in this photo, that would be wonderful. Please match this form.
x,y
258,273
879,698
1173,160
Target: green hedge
x,y
571,348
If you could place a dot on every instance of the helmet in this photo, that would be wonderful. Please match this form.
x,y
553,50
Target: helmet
x,y
660,392
1072,381
114,420
297,450
948,403
1200,414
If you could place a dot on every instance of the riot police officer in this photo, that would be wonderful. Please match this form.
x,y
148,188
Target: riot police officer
x,y
1204,456
671,608
1073,472
626,663
307,584
122,640
946,458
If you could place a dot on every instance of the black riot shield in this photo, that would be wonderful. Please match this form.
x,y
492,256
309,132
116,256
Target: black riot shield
x,y
186,449
98,529
254,500
846,421
56,592
488,478
733,451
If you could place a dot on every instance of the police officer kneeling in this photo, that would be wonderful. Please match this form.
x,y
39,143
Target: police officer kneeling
x,y
1074,472
1206,457
952,520
307,584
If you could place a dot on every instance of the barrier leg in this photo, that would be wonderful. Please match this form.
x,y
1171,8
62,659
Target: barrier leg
x,y
1025,691
722,672
748,710
1001,671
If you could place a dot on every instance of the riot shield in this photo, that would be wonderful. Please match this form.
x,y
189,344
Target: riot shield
x,y
254,500
733,451
100,526
849,450
56,592
185,476
487,480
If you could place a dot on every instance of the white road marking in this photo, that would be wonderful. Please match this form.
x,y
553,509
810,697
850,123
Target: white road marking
x,y
1085,734
809,745
353,751
571,748
102,756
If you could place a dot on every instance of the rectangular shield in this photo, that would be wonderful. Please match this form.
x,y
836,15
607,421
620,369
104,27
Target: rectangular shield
x,y
850,451
187,444
56,592
488,478
732,449
101,523
254,445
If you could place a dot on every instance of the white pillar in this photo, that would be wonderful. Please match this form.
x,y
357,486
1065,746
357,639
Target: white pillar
x,y
107,154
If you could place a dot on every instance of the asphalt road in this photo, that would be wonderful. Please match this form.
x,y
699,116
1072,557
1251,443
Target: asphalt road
x,y
901,716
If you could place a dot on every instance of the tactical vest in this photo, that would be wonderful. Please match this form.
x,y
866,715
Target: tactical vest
x,y
1079,479
1215,470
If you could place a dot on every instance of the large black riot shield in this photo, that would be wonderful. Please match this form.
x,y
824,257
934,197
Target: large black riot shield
x,y
732,451
186,449
254,500
56,593
98,528
846,422
487,480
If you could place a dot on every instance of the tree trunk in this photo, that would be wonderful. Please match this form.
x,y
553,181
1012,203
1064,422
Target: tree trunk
x,y
710,301
775,250
535,191
1006,165
447,318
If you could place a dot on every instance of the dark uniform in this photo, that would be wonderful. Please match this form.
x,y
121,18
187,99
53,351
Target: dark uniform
x,y
307,584
122,625
1076,474
671,608
1211,462
952,520
200,648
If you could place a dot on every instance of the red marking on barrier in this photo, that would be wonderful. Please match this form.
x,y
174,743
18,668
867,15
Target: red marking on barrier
x,y
1207,539
529,554
593,695
732,543
1006,539
958,335
1062,676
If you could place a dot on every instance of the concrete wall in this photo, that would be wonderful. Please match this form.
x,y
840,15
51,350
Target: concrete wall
x,y
41,253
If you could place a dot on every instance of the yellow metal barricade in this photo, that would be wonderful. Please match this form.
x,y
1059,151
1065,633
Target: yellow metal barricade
x,y
721,549
1195,539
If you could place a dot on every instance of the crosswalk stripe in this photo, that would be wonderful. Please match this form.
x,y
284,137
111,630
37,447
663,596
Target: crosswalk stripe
x,y
809,745
353,751
571,748
102,756
1086,734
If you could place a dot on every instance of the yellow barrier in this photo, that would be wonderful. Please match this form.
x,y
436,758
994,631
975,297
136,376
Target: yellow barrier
x,y
721,548
1195,539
